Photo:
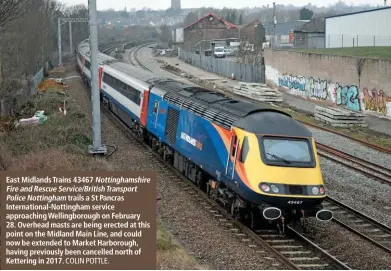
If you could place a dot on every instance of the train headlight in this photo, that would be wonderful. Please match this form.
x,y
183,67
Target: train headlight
x,y
315,190
321,190
265,187
274,188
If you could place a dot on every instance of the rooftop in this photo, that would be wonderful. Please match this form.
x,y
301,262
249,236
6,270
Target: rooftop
x,y
358,12
284,28
228,24
315,25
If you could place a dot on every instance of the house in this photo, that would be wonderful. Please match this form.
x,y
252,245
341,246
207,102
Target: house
x,y
209,27
310,35
253,32
282,31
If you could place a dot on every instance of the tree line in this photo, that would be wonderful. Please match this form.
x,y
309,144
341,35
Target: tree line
x,y
28,37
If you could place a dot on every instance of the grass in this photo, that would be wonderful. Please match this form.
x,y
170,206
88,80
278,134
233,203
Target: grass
x,y
370,52
60,143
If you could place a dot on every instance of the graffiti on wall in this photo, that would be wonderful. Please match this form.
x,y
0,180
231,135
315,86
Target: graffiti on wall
x,y
315,88
292,82
349,97
376,100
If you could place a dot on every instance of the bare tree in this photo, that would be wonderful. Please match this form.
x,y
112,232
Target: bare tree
x,y
11,10
27,42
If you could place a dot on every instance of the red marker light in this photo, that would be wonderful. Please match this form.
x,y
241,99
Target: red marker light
x,y
265,188
321,190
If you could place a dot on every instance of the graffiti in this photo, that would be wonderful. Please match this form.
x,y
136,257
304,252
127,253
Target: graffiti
x,y
292,82
317,88
348,96
375,100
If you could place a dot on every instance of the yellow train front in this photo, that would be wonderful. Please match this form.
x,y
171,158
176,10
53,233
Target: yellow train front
x,y
275,170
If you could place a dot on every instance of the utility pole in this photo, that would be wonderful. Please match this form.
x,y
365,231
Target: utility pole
x,y
70,38
59,42
274,24
97,147
62,21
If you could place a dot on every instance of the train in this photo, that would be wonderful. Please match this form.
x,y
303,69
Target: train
x,y
258,162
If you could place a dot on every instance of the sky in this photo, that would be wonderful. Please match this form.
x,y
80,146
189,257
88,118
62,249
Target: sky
x,y
164,4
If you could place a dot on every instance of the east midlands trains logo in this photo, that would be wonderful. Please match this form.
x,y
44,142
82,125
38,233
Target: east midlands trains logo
x,y
191,141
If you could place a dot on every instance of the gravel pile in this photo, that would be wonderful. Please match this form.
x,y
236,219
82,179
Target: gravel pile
x,y
212,245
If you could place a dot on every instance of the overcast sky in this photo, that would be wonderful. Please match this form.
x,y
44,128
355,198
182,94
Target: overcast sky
x,y
164,4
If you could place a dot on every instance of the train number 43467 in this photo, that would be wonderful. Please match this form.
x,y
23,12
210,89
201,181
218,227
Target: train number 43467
x,y
295,202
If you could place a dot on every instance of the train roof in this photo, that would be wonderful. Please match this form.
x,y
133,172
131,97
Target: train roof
x,y
272,123
255,118
133,71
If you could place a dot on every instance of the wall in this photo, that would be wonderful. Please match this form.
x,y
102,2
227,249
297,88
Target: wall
x,y
369,28
360,85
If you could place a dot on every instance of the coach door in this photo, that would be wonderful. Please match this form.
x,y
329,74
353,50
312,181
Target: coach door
x,y
155,113
230,169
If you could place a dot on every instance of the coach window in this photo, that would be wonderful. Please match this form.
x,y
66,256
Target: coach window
x,y
109,80
124,88
127,90
119,86
155,106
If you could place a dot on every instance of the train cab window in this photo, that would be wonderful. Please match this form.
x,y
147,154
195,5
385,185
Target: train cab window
x,y
286,151
155,106
245,150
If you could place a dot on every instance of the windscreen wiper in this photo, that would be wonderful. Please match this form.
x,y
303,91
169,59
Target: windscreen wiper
x,y
279,158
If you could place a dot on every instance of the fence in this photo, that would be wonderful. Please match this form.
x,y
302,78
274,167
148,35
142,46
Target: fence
x,y
17,99
242,72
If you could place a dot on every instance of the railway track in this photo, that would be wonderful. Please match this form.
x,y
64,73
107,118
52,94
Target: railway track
x,y
372,170
363,142
133,56
108,48
360,224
